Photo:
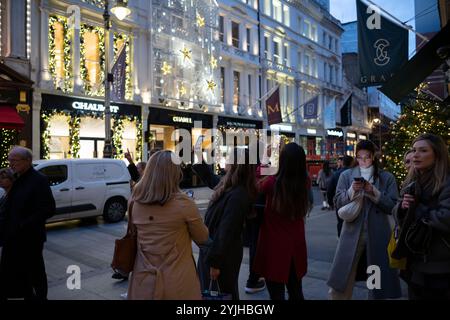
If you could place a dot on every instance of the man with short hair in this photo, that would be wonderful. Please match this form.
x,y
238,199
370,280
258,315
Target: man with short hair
x,y
30,203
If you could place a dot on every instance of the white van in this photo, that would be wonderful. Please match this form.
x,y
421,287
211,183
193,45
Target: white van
x,y
87,187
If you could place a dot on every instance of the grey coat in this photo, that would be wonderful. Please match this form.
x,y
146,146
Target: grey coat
x,y
379,233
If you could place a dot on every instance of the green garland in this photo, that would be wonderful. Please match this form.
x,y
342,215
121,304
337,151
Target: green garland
x,y
74,132
74,136
68,76
138,139
83,71
117,137
8,137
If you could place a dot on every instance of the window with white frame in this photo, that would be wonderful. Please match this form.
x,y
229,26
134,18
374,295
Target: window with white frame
x,y
249,34
236,85
325,68
306,65
306,28
276,51
336,75
277,11
286,17
299,24
299,61
313,33
330,42
266,47
331,74
336,45
267,6
235,34
286,54
249,83
314,68
324,38
221,27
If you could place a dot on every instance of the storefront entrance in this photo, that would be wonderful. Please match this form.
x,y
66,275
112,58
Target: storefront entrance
x,y
91,147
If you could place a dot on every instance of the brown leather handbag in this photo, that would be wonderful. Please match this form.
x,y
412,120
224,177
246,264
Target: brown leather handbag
x,y
126,248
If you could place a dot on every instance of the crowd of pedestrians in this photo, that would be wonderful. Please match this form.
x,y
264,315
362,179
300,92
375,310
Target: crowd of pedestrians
x,y
371,207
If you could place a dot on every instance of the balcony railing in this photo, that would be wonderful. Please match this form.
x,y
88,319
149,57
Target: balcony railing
x,y
239,54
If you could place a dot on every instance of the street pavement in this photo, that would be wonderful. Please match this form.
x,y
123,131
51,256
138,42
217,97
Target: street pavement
x,y
89,244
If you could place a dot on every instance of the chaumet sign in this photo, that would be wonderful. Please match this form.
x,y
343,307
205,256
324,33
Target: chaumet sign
x,y
92,106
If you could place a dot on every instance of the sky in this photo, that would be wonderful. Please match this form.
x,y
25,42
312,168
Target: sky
x,y
345,11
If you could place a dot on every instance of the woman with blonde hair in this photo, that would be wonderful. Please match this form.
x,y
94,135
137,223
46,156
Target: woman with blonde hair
x,y
425,204
167,221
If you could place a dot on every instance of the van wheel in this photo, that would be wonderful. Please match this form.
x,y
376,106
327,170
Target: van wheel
x,y
114,210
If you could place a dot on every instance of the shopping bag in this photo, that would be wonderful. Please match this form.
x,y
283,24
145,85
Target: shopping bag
x,y
393,262
211,294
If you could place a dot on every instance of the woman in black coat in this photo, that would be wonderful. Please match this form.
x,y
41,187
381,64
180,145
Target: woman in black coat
x,y
426,201
230,204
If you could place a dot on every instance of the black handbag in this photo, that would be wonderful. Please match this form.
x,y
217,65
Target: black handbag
x,y
418,237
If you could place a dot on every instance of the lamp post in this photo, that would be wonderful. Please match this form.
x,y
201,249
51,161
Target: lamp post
x,y
121,12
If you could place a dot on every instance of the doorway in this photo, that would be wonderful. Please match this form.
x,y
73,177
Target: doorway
x,y
91,147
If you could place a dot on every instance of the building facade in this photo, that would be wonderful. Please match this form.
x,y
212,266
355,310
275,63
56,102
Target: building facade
x,y
188,65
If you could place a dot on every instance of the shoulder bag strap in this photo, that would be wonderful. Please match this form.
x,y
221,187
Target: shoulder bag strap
x,y
130,228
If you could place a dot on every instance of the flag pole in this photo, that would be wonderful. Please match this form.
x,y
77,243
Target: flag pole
x,y
264,97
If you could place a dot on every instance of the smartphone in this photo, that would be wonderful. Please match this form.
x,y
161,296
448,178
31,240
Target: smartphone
x,y
359,179
411,188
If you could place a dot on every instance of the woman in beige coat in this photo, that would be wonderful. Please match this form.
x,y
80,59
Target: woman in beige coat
x,y
166,221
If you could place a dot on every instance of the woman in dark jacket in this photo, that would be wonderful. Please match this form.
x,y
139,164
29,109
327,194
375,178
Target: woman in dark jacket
x,y
281,252
6,182
230,204
428,202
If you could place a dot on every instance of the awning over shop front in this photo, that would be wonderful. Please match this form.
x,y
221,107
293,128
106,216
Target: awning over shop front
x,y
10,119
419,67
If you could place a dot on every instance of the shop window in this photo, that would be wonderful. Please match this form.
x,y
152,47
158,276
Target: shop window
x,y
60,53
92,59
58,129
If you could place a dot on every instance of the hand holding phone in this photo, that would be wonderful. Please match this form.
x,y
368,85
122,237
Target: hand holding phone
x,y
358,183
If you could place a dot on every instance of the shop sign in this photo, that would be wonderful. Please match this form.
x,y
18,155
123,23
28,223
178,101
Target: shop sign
x,y
351,135
311,131
92,106
362,137
281,127
181,119
335,133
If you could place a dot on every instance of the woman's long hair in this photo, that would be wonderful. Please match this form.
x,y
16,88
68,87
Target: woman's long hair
x,y
237,175
369,146
290,197
437,176
161,179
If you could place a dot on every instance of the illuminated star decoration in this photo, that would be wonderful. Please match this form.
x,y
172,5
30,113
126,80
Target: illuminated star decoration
x,y
182,90
213,62
166,68
211,84
186,53
200,21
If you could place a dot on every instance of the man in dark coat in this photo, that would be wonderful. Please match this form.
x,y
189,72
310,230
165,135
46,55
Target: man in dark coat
x,y
347,163
30,203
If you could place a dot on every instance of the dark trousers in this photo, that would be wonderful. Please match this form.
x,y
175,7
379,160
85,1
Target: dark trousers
x,y
22,271
294,287
437,288
253,233
340,222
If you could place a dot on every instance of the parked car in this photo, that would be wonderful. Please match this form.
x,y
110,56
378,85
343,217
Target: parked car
x,y
87,187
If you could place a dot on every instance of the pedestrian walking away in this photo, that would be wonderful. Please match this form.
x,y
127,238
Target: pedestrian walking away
x,y
166,221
